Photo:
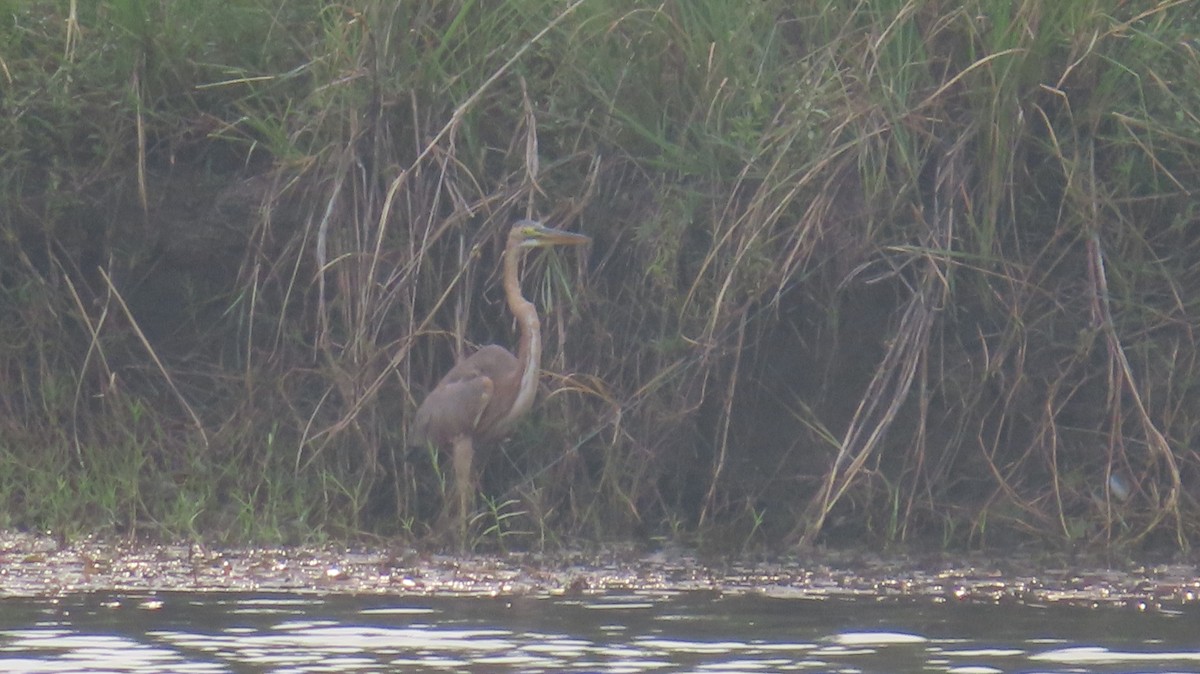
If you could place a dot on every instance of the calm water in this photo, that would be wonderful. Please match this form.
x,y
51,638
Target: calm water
x,y
613,632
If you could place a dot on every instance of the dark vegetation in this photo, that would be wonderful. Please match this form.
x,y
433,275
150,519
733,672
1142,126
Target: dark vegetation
x,y
875,272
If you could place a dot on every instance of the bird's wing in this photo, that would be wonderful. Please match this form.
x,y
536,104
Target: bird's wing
x,y
492,361
459,403
451,410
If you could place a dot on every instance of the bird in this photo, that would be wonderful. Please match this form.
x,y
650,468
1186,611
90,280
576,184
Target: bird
x,y
478,400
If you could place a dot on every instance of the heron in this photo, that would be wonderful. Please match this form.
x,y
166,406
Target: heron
x,y
478,400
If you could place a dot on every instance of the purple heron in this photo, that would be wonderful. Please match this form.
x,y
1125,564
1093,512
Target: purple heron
x,y
479,398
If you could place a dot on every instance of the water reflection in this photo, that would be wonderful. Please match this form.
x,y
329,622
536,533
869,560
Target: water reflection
x,y
611,632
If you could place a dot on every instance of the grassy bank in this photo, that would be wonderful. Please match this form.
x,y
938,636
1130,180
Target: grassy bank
x,y
886,272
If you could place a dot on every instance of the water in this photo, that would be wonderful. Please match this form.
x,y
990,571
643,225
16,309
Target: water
x,y
631,631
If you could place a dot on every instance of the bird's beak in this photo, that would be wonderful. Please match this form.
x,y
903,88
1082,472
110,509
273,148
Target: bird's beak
x,y
548,236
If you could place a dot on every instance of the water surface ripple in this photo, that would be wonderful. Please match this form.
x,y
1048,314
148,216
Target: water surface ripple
x,y
635,631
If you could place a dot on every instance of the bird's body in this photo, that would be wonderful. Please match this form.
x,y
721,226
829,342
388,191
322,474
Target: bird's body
x,y
481,396
472,395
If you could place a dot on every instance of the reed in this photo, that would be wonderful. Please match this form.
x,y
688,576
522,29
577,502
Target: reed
x,y
886,272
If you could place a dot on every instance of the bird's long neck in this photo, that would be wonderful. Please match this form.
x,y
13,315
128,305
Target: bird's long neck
x,y
529,349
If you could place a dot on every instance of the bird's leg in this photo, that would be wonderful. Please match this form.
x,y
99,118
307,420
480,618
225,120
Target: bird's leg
x,y
464,486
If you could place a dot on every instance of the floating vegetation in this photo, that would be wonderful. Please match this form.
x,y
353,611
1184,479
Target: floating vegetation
x,y
39,566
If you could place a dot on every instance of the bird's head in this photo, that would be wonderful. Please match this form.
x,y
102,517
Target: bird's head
x,y
533,234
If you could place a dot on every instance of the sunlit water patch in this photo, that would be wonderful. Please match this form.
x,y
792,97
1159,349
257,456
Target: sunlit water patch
x,y
630,631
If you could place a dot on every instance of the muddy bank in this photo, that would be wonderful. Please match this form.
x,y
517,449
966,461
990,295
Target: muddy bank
x,y
33,565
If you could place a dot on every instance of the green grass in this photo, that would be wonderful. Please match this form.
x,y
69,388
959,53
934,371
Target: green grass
x,y
889,272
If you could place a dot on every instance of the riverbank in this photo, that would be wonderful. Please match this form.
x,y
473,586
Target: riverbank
x,y
892,272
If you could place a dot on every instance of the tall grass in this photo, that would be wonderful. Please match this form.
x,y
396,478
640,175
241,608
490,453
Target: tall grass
x,y
883,271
